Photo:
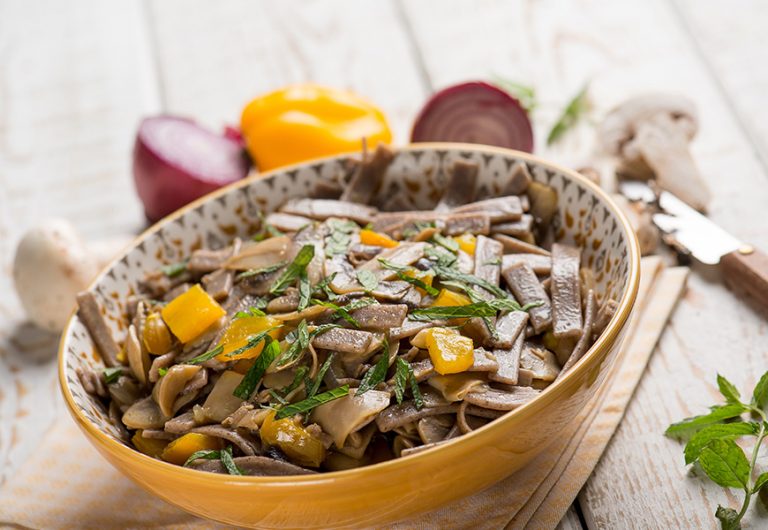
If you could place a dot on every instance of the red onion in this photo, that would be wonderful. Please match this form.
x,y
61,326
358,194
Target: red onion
x,y
474,112
176,161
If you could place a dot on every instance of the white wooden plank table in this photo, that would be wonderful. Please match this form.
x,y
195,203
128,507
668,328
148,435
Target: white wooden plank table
x,y
76,77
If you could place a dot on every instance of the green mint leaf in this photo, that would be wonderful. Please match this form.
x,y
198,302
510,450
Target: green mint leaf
x,y
725,463
440,255
376,374
401,378
263,270
112,374
277,397
728,517
572,113
690,426
174,269
229,462
445,273
338,241
207,454
207,356
300,342
479,309
253,376
314,385
324,287
728,390
761,481
253,341
294,270
162,371
368,280
447,243
418,400
250,312
310,403
760,394
717,432
298,378
305,290
344,311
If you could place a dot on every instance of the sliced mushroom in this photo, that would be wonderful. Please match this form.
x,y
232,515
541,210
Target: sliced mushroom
x,y
455,387
220,403
168,389
145,414
650,136
138,357
341,417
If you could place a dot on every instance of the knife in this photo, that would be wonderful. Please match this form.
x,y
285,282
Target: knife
x,y
744,268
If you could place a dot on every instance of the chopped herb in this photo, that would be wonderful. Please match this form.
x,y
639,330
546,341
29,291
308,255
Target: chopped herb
x,y
404,374
310,403
299,341
162,371
323,287
207,454
250,312
525,94
229,462
263,270
267,230
207,356
343,311
445,273
305,290
112,374
416,228
377,373
340,237
312,386
277,397
368,280
446,242
572,113
174,269
441,256
253,376
402,273
494,261
298,378
253,341
293,270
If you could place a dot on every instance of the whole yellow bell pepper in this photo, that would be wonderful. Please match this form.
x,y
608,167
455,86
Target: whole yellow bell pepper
x,y
302,122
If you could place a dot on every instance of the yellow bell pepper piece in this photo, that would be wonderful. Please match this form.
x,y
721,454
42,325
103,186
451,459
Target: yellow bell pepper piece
x,y
191,313
149,446
302,122
369,237
450,353
240,330
295,441
156,337
179,450
450,298
467,243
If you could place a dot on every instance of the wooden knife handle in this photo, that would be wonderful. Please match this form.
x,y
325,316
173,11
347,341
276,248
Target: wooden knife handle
x,y
746,273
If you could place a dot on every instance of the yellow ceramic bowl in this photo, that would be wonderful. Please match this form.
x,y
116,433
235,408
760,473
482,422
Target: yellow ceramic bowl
x,y
386,492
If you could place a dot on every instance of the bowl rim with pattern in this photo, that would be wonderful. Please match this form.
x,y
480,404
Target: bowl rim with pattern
x,y
568,384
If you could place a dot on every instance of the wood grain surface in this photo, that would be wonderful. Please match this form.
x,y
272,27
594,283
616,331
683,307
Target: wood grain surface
x,y
76,76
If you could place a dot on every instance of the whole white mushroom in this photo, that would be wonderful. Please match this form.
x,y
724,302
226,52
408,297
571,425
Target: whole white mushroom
x,y
51,266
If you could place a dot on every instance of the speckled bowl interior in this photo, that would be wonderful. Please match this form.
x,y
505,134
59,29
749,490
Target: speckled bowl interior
x,y
586,217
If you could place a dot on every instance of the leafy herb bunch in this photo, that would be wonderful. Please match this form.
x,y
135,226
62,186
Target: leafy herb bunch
x,y
711,443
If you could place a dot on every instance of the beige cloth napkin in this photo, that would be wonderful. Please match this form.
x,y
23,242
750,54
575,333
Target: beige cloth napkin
x,y
68,485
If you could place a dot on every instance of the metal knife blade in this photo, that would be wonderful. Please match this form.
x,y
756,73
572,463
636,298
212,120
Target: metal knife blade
x,y
690,229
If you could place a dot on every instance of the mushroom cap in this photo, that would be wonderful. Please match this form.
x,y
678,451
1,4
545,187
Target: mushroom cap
x,y
621,123
51,266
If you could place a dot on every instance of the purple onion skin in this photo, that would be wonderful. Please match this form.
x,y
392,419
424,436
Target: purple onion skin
x,y
169,174
428,127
